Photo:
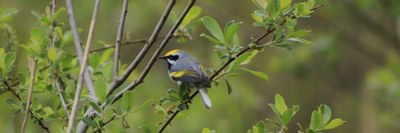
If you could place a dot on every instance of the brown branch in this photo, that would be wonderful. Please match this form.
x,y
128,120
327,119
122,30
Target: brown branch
x,y
82,72
105,123
32,68
118,40
143,40
117,82
266,33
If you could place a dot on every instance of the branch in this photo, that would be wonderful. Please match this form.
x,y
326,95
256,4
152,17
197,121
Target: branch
x,y
156,54
83,65
77,44
32,68
121,25
116,83
53,8
266,33
111,119
60,87
143,40
19,98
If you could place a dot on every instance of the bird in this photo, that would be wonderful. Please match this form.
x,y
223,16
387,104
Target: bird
x,y
183,68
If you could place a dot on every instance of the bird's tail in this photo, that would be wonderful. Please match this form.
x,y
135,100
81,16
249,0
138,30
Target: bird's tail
x,y
205,98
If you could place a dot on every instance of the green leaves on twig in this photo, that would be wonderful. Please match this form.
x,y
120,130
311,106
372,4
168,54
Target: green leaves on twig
x,y
320,118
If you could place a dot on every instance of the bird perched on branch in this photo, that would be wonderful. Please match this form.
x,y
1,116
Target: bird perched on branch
x,y
183,68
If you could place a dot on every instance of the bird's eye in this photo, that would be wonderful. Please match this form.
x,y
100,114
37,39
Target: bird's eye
x,y
173,57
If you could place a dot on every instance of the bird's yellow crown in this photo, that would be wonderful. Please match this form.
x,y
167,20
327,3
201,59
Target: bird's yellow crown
x,y
171,52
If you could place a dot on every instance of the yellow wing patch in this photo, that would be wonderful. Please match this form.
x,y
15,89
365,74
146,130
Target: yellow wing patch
x,y
177,74
171,52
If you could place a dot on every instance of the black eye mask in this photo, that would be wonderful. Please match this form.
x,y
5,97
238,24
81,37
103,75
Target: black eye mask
x,y
173,57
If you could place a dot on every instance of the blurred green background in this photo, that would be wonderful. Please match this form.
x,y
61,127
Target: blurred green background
x,y
354,65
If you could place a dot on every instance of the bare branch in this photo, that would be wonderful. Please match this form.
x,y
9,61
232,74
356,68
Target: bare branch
x,y
105,123
53,8
60,87
83,65
121,25
77,44
143,40
32,68
116,83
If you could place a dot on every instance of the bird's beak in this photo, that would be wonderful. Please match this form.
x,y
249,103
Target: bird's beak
x,y
163,57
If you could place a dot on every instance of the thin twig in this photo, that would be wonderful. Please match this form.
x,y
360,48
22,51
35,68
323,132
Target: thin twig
x,y
118,40
105,123
32,68
156,53
78,48
83,67
60,87
116,83
266,33
143,40
53,8
19,98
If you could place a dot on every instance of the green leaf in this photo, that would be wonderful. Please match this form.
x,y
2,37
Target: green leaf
x,y
238,61
300,40
285,4
257,18
94,60
230,30
89,121
284,46
9,62
145,129
277,113
273,7
334,124
5,15
326,113
58,12
36,35
261,3
300,33
106,55
287,116
213,27
95,106
261,126
101,89
142,105
128,100
211,39
256,73
206,130
316,121
192,14
90,98
229,87
280,104
51,54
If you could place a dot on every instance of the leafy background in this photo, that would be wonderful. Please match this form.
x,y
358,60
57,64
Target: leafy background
x,y
353,66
